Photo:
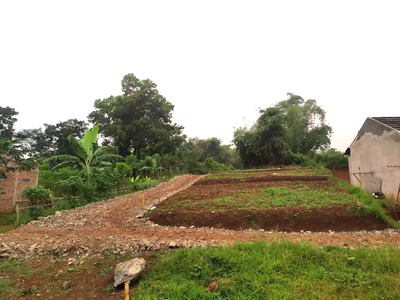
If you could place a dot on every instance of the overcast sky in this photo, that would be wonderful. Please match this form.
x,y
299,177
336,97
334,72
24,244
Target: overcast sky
x,y
216,61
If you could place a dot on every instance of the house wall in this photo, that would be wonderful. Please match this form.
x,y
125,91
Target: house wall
x,y
10,188
376,151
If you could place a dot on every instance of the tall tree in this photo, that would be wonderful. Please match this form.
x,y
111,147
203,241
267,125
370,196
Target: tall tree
x,y
305,123
34,143
291,126
140,119
7,121
57,135
266,141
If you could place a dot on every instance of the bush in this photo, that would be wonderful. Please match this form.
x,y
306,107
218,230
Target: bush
x,y
123,169
73,186
36,193
212,165
48,178
332,159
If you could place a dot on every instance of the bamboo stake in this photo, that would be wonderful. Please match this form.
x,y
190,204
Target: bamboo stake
x,y
17,211
361,184
127,290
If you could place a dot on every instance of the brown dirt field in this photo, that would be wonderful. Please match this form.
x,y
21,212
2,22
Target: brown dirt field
x,y
289,219
213,181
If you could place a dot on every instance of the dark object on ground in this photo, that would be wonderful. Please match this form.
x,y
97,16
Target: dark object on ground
x,y
378,195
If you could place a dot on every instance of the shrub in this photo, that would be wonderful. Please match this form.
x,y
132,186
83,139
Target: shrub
x,y
123,169
36,193
48,178
72,186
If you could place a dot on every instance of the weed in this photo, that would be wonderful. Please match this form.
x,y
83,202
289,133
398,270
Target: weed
x,y
109,288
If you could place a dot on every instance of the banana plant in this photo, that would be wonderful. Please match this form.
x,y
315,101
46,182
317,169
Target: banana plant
x,y
133,179
86,156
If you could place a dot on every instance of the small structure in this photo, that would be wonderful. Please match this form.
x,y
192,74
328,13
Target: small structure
x,y
374,156
11,185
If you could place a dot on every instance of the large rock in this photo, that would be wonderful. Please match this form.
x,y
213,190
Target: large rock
x,y
129,271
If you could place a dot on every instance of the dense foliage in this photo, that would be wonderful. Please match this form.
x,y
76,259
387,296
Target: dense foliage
x,y
291,127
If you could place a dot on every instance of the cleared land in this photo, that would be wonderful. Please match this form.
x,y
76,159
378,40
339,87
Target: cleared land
x,y
82,246
279,199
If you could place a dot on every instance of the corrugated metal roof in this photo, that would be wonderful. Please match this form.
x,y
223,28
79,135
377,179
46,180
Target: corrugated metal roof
x,y
393,122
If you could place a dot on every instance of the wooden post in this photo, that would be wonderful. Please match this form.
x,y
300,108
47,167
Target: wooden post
x,y
127,290
398,193
17,211
361,184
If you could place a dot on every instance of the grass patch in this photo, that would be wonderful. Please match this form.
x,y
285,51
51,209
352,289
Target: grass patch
x,y
269,198
295,171
274,271
370,205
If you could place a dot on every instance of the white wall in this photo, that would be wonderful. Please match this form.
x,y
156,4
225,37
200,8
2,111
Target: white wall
x,y
376,153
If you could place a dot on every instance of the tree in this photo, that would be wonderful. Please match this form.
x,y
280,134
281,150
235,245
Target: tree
x,y
292,126
305,124
11,156
57,135
34,143
140,119
265,143
7,121
85,155
213,148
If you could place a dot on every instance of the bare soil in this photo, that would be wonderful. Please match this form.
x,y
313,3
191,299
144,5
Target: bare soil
x,y
336,218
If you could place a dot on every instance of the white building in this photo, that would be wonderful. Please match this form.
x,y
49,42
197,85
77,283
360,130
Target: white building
x,y
374,156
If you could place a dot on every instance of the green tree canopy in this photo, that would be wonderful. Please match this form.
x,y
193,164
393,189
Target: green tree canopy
x,y
57,136
291,126
7,121
140,119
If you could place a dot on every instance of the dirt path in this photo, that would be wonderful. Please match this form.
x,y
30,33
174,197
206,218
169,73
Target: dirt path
x,y
113,226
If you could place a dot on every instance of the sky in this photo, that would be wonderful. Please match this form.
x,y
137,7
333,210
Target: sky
x,y
217,62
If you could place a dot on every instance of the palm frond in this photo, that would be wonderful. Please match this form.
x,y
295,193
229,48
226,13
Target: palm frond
x,y
64,164
104,150
61,158
105,163
89,139
78,147
146,168
108,157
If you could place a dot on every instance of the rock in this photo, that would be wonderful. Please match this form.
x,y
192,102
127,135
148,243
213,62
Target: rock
x,y
172,245
72,261
57,214
66,285
129,271
156,247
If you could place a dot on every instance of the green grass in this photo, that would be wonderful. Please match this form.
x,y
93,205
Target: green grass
x,y
369,204
294,171
269,198
274,271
